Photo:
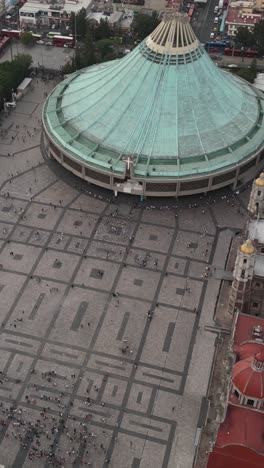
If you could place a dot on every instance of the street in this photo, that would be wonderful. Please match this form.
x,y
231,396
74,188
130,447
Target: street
x,y
203,20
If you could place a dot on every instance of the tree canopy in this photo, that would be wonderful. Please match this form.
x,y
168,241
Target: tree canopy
x,y
251,38
248,74
102,31
79,23
244,37
142,25
259,36
12,73
26,38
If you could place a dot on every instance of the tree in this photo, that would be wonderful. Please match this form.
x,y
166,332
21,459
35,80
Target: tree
x,y
105,47
244,37
248,74
258,35
142,25
27,38
80,23
12,73
102,31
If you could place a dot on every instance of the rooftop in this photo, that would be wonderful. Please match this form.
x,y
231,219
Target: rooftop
x,y
244,328
246,350
234,15
69,6
242,426
165,104
247,378
112,18
256,230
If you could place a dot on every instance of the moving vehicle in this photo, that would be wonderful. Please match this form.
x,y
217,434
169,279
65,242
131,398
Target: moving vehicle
x,y
11,33
218,45
36,36
216,20
51,34
251,53
216,9
63,41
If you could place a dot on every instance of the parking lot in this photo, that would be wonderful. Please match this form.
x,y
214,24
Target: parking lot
x,y
52,58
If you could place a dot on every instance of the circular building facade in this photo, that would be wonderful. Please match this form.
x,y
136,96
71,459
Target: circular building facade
x,y
161,121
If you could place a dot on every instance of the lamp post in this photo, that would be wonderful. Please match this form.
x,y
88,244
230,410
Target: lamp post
x,y
75,32
242,50
11,48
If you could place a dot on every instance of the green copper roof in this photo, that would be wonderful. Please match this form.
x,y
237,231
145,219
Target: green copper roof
x,y
165,104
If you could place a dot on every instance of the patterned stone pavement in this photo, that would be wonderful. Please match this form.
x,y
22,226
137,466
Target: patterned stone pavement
x,y
104,356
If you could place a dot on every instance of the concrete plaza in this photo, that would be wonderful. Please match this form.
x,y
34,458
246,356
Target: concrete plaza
x,y
105,353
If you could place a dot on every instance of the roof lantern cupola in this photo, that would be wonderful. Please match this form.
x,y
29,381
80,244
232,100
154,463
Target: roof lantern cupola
x,y
247,247
248,380
256,201
174,36
258,362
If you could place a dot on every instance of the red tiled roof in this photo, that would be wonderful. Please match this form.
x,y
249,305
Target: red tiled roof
x,y
242,426
246,350
244,327
234,15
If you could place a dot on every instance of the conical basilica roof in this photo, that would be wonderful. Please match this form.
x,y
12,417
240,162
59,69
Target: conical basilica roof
x,y
165,104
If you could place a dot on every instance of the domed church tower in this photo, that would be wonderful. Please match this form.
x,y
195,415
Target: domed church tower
x,y
242,278
256,201
248,380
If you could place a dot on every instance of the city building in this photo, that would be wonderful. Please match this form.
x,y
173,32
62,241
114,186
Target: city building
x,y
259,81
237,18
162,121
247,291
238,441
259,5
49,13
114,18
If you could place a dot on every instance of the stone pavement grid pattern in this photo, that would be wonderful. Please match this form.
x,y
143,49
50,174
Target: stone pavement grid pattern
x,y
87,378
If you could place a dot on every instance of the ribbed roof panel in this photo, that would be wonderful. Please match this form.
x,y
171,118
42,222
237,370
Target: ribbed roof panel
x,y
165,103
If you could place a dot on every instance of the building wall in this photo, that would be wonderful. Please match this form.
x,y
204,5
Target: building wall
x,y
161,188
257,297
46,16
259,5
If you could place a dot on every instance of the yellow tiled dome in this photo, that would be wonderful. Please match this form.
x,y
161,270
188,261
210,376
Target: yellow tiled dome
x,y
260,180
247,247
